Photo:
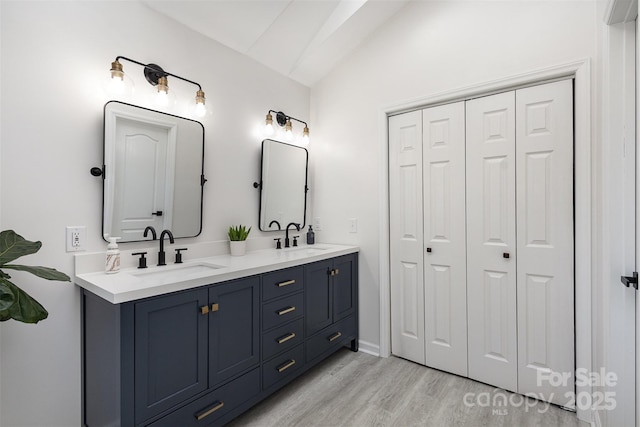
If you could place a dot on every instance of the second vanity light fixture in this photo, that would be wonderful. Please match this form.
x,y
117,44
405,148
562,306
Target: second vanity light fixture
x,y
156,76
285,121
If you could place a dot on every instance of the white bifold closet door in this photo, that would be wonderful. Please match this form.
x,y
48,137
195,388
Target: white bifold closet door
x,y
520,278
491,240
445,272
406,236
545,261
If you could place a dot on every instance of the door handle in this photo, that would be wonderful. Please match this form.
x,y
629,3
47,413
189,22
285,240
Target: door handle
x,y
506,255
429,250
630,280
159,213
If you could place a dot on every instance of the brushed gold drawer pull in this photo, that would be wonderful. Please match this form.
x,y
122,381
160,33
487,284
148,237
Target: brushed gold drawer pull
x,y
286,338
209,411
215,307
287,283
286,310
204,309
335,337
287,365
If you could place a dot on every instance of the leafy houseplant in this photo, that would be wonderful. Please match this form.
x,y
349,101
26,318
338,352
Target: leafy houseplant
x,y
237,239
14,302
238,233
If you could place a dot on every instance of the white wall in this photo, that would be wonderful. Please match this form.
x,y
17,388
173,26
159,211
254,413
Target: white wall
x,y
55,56
429,47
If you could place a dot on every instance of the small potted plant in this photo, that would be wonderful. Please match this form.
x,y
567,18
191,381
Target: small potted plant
x,y
238,239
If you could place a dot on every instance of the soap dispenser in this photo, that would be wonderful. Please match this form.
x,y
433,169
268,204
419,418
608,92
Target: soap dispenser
x,y
112,262
311,236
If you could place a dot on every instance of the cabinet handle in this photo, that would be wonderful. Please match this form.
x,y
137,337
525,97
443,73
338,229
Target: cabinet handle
x,y
505,255
215,307
286,310
286,366
286,338
335,272
287,283
205,413
429,250
204,309
335,337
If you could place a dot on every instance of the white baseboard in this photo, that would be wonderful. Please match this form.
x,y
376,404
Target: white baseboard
x,y
367,347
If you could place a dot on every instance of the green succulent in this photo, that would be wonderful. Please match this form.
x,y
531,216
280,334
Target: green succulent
x,y
239,232
14,302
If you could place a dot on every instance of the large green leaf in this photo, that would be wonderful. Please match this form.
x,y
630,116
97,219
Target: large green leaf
x,y
24,308
44,272
13,246
7,298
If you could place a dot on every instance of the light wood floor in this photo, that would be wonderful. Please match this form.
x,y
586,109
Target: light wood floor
x,y
357,389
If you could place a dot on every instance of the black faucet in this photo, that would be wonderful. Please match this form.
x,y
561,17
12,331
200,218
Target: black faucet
x,y
161,253
152,230
271,223
286,238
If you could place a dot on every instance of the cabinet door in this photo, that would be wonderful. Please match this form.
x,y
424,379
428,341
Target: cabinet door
x,y
344,290
170,351
318,296
491,240
234,322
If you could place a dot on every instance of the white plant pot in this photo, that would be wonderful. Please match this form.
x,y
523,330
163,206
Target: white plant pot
x,y
238,247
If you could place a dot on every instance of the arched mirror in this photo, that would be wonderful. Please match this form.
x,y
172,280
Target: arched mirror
x,y
283,195
153,172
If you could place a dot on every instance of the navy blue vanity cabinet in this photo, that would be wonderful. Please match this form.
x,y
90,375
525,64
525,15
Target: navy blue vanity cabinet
x,y
331,304
234,328
203,356
170,351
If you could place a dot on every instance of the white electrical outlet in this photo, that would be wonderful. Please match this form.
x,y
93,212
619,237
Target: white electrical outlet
x,y
316,224
353,225
75,238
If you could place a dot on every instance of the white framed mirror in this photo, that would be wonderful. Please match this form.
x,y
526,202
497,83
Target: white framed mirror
x,y
153,173
283,195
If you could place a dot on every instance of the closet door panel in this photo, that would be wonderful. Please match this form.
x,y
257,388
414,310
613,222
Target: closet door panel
x,y
444,237
491,240
406,236
545,263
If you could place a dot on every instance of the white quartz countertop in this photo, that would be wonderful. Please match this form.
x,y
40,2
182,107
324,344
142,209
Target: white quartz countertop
x,y
132,283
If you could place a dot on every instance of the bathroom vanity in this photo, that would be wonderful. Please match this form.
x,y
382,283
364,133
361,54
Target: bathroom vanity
x,y
201,342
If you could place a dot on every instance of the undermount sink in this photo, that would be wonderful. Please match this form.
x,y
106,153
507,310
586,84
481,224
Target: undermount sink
x,y
177,273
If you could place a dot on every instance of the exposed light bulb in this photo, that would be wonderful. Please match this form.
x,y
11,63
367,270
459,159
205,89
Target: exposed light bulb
x,y
288,130
268,126
119,83
201,109
162,98
305,136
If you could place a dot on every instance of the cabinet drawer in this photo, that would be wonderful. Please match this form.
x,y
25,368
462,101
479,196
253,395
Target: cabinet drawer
x,y
281,283
214,405
282,338
282,366
330,337
282,310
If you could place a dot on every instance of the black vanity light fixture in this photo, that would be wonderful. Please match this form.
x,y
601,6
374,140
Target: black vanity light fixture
x,y
285,121
156,76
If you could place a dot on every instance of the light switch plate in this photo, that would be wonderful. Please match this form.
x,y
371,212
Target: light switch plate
x,y
353,225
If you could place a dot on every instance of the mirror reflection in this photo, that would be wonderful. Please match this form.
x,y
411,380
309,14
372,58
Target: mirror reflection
x,y
153,172
283,196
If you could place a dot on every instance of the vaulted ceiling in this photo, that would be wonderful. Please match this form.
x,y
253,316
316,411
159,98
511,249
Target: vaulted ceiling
x,y
301,39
